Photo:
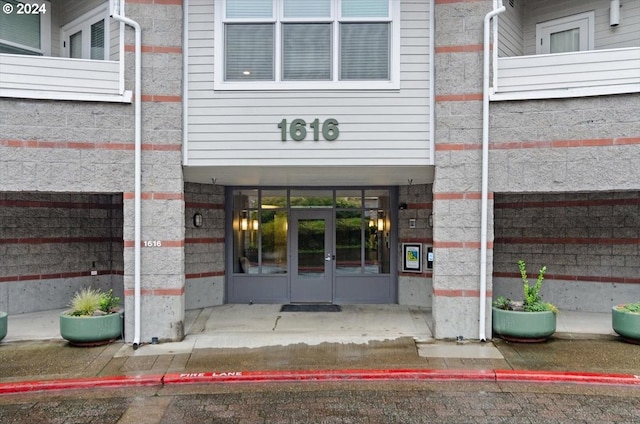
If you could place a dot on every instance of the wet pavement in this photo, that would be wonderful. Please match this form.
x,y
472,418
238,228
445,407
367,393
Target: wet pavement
x,y
574,377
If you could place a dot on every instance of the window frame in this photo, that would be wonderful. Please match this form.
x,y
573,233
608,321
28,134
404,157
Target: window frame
x,y
83,24
45,33
393,83
584,20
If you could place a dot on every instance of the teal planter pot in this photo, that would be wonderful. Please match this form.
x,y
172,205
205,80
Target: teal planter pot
x,y
3,325
519,326
626,324
91,331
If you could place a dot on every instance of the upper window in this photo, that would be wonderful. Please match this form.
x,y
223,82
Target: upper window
x,y
86,36
279,44
569,34
25,28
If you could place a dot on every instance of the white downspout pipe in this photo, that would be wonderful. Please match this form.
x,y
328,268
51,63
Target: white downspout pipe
x,y
432,81
485,169
116,10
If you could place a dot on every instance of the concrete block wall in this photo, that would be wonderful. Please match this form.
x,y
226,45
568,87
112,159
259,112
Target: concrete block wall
x,y
88,147
590,243
52,243
457,184
415,288
163,210
204,246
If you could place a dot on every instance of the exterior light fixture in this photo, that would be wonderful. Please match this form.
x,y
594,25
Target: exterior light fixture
x,y
380,221
254,225
614,13
244,222
197,220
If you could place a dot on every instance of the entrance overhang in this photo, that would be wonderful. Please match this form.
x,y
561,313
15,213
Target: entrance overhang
x,y
334,176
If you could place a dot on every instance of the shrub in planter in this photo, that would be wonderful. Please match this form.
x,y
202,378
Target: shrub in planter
x,y
532,319
93,318
625,320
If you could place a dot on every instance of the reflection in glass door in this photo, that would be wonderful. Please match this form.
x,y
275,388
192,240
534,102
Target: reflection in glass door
x,y
313,256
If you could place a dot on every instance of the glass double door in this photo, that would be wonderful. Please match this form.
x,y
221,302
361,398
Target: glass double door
x,y
312,255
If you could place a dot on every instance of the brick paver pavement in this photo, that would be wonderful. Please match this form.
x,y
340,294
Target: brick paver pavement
x,y
352,402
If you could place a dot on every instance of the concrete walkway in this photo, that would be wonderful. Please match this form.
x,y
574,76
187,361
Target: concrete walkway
x,y
251,326
257,343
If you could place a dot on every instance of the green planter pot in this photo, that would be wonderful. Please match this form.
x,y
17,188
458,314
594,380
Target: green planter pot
x,y
3,325
626,324
91,331
519,326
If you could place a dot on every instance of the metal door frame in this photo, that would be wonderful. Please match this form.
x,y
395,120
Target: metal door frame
x,y
324,294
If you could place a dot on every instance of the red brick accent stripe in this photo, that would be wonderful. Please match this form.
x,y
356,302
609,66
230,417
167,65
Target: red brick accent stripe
x,y
56,275
460,245
416,274
460,49
54,240
163,244
426,240
465,97
154,196
204,274
154,49
156,292
204,240
594,142
87,145
56,204
591,278
546,144
567,203
471,195
566,240
158,98
427,205
197,205
456,147
459,293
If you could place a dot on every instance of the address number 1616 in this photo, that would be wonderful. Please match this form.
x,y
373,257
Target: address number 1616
x,y
298,129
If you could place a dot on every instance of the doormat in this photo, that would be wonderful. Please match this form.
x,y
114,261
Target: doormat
x,y
311,308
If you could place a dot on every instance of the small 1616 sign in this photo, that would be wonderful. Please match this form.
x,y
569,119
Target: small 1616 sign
x,y
297,130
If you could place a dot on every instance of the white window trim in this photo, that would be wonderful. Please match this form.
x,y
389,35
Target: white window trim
x,y
83,23
392,84
585,21
45,33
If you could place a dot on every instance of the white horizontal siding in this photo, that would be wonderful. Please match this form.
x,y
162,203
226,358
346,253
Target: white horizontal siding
x,y
235,128
593,72
60,78
627,34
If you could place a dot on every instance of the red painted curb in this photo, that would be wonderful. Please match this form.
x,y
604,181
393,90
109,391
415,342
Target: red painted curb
x,y
81,383
320,376
566,377
328,375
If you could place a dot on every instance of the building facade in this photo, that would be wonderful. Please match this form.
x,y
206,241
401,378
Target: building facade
x,y
191,153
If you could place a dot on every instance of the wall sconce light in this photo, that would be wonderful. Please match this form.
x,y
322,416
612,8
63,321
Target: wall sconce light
x,y
380,221
197,220
614,13
430,220
244,222
254,225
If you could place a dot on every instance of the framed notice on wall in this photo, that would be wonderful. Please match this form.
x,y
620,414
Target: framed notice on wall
x,y
411,257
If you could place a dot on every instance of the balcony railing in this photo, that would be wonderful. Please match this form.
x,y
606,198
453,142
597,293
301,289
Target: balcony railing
x,y
576,74
58,78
